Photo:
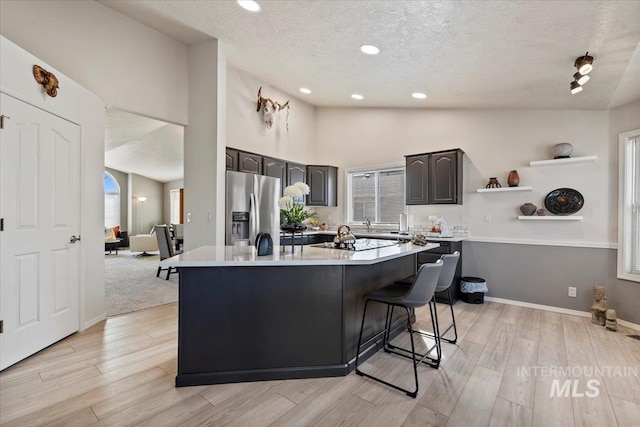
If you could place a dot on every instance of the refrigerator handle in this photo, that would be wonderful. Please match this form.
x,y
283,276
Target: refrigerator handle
x,y
254,219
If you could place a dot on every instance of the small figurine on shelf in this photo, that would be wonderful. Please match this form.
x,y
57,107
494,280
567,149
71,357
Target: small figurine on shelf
x,y
493,183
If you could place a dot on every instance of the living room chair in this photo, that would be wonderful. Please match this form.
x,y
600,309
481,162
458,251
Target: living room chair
x,y
143,243
166,248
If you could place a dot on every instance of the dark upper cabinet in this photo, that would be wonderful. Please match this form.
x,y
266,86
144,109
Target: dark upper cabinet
x,y
296,172
445,173
434,178
250,163
323,182
417,179
276,168
231,159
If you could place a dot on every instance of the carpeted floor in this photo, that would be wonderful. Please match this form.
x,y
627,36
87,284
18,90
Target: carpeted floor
x,y
131,283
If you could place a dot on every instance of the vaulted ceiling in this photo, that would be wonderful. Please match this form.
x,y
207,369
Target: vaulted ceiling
x,y
462,54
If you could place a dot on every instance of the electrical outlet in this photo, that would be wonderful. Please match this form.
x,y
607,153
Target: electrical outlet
x,y
487,218
572,291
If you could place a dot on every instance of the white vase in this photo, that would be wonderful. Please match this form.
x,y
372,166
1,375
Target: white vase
x,y
562,150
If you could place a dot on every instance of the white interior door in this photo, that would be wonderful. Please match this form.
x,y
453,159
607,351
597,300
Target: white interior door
x,y
40,205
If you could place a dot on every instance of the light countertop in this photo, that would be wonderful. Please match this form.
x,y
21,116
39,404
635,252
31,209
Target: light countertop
x,y
384,235
246,256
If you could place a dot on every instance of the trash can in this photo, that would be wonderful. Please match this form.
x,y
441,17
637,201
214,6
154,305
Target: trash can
x,y
473,289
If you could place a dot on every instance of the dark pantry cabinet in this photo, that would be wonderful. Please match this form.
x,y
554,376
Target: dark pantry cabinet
x,y
434,178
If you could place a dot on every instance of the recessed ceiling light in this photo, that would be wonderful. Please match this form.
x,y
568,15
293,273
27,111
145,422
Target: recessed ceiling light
x,y
357,96
419,95
575,88
249,5
369,49
305,90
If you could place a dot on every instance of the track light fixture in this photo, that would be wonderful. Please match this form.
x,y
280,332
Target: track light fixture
x,y
575,87
584,64
581,79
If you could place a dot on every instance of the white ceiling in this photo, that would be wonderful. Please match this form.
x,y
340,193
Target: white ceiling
x,y
147,147
463,54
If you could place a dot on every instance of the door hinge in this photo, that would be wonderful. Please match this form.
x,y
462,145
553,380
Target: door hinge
x,y
1,326
2,117
1,224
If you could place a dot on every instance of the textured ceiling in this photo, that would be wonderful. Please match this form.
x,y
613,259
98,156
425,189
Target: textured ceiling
x,y
147,147
463,54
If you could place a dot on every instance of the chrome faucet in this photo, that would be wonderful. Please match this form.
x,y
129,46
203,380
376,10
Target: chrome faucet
x,y
367,222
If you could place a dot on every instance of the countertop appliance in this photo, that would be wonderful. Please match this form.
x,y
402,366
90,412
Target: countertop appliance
x,y
251,208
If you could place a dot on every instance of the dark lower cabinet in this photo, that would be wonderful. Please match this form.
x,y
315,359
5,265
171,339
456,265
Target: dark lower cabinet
x,y
231,159
323,182
433,255
276,168
249,163
434,178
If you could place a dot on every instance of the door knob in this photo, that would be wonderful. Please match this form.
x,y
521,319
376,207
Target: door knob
x,y
74,239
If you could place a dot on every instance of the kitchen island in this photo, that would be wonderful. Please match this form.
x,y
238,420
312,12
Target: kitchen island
x,y
281,316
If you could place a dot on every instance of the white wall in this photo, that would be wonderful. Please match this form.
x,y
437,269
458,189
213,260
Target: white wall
x,y
246,130
129,65
168,186
143,218
495,142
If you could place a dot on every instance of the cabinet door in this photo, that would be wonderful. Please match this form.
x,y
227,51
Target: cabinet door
x,y
417,180
444,185
250,163
296,172
231,159
323,183
277,169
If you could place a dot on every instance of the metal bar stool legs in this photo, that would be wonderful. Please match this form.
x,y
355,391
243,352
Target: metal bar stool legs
x,y
389,348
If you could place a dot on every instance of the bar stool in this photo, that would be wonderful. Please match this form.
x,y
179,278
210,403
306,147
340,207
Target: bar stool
x,y
417,295
445,280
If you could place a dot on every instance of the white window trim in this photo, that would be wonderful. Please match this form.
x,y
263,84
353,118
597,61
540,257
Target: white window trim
x,y
347,192
624,201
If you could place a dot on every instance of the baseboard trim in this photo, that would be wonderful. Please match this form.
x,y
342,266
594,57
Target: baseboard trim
x,y
556,310
95,320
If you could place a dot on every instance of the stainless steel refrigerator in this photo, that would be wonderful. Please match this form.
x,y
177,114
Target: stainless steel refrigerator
x,y
251,208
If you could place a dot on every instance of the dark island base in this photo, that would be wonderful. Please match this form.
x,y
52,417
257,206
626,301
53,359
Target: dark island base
x,y
268,323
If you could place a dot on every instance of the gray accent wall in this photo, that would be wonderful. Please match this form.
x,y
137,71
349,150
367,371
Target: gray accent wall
x,y
123,179
542,274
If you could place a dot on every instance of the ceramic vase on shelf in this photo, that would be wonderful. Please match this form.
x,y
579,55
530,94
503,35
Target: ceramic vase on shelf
x,y
493,183
513,179
528,209
562,150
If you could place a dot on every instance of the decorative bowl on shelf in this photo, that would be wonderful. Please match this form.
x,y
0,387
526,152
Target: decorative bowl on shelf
x,y
562,150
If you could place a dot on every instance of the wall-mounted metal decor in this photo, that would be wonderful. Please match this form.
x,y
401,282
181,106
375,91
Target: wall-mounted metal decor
x,y
48,80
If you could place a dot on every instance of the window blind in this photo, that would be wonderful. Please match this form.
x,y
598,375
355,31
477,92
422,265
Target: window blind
x,y
377,195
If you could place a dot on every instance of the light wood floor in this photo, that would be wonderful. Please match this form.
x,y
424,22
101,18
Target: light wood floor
x,y
121,372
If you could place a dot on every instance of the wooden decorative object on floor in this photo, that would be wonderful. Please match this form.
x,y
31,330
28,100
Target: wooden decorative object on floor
x,y
611,322
599,306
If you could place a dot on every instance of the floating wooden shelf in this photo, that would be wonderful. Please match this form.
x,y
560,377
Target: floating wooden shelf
x,y
550,218
503,189
568,161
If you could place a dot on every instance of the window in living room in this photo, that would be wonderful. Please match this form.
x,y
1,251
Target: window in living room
x,y
111,201
629,207
174,203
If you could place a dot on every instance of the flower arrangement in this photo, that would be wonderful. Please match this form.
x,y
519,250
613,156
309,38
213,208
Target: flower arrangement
x,y
295,213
